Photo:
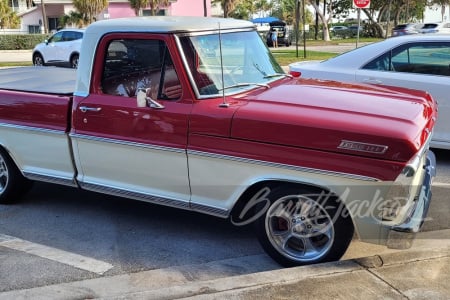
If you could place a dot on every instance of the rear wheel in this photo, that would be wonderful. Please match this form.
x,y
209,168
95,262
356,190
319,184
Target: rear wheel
x,y
302,227
12,184
38,60
74,61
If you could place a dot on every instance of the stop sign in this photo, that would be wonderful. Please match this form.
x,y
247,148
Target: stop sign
x,y
361,3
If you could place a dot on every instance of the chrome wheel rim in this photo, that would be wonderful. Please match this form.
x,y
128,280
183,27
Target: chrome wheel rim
x,y
3,175
299,228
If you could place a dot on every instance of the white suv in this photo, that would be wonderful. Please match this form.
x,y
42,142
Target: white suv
x,y
62,48
435,28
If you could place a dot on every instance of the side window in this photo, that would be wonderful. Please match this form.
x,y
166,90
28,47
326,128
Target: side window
x,y
68,36
381,63
431,58
133,64
72,36
57,37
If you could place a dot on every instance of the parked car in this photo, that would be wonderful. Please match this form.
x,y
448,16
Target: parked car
x,y
62,48
284,38
412,61
435,28
404,29
354,30
339,31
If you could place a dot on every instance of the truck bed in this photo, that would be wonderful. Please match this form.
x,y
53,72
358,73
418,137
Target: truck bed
x,y
46,80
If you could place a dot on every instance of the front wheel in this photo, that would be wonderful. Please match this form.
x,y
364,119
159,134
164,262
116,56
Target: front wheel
x,y
12,184
38,60
302,227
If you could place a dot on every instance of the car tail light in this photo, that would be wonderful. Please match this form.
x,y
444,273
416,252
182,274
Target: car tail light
x,y
295,73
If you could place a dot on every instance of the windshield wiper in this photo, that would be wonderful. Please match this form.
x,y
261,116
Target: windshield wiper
x,y
278,74
245,84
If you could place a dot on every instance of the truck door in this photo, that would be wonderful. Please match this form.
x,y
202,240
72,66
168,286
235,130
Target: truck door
x,y
127,147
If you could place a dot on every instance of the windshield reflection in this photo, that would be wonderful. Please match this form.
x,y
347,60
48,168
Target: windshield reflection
x,y
247,62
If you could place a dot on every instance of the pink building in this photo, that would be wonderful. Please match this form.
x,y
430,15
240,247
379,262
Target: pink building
x,y
32,17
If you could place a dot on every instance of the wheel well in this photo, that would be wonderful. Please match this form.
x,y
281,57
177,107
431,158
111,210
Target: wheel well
x,y
73,54
10,156
251,191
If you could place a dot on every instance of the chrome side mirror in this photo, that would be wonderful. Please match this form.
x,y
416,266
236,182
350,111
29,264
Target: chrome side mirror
x,y
143,100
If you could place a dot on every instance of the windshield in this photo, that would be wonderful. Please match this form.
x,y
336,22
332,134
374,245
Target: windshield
x,y
246,62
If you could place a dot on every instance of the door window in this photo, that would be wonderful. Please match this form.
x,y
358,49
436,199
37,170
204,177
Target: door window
x,y
133,64
431,58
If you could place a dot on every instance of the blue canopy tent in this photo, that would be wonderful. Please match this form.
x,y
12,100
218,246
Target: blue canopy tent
x,y
265,20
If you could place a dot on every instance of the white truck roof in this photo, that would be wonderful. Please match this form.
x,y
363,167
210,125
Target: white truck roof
x,y
166,24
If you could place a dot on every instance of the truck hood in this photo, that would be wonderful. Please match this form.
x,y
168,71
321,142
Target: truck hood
x,y
366,120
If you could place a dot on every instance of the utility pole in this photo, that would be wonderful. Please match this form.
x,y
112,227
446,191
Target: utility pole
x,y
317,22
304,25
44,17
297,25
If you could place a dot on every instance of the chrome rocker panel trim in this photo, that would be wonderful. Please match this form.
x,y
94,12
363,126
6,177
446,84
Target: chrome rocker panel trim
x,y
154,199
51,179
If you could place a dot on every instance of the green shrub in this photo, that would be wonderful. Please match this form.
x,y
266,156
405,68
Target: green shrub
x,y
20,41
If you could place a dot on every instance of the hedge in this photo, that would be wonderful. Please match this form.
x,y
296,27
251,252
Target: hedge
x,y
20,41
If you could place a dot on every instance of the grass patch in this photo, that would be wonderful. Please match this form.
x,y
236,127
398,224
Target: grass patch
x,y
286,57
15,64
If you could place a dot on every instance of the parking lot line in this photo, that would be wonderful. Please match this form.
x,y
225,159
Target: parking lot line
x,y
61,256
441,184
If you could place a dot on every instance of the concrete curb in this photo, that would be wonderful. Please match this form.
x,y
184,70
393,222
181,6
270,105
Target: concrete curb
x,y
175,283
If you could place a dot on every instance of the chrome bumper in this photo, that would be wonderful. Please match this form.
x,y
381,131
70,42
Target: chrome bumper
x,y
401,236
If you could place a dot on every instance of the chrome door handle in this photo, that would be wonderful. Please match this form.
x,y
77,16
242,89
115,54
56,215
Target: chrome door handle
x,y
87,108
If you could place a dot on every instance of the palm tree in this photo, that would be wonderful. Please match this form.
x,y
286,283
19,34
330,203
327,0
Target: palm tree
x,y
155,5
73,18
137,5
8,18
90,8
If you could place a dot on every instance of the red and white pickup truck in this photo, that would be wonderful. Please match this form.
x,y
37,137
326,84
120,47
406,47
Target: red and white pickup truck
x,y
195,113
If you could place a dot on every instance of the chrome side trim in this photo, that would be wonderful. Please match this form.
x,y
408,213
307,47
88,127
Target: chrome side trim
x,y
126,143
51,179
31,128
210,210
282,166
134,195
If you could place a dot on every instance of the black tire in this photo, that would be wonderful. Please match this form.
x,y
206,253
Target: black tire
x,y
74,61
38,60
301,227
12,183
